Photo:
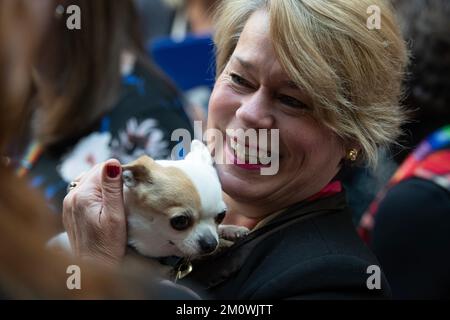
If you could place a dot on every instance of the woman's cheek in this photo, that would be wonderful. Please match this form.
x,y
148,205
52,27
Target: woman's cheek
x,y
223,104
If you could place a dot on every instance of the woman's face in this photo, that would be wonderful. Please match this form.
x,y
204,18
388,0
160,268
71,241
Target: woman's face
x,y
253,92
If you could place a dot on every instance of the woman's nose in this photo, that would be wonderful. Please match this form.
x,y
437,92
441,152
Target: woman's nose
x,y
255,111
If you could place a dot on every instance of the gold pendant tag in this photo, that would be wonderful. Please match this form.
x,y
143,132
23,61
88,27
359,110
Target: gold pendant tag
x,y
184,269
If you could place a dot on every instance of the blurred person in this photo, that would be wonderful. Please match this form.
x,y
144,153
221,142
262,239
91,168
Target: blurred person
x,y
426,25
185,26
176,18
156,18
28,270
408,224
109,101
192,16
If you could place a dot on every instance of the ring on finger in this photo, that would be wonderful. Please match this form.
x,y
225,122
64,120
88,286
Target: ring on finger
x,y
71,186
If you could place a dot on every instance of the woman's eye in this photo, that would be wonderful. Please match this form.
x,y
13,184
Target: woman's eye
x,y
292,102
239,80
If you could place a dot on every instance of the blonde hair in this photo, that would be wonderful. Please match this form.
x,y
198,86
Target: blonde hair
x,y
352,74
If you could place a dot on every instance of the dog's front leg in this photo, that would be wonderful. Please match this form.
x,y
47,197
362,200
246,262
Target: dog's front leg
x,y
232,232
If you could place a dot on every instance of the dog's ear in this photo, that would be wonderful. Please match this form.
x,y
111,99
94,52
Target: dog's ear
x,y
137,172
199,153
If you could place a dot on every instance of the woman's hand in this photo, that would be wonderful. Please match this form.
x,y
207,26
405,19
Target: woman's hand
x,y
94,214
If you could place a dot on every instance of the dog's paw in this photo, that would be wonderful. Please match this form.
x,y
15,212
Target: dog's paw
x,y
232,233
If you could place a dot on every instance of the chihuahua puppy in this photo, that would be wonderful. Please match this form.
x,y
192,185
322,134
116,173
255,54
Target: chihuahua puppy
x,y
174,208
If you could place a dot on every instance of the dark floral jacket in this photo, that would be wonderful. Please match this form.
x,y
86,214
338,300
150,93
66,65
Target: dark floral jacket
x,y
142,122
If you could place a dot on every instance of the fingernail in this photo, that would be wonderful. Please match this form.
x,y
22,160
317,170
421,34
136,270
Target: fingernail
x,y
112,171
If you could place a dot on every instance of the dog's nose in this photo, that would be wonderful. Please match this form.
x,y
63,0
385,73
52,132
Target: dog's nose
x,y
208,244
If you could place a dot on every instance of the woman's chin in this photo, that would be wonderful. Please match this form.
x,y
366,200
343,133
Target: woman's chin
x,y
241,188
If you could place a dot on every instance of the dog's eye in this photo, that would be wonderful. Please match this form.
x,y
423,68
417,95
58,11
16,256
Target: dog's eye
x,y
220,217
180,223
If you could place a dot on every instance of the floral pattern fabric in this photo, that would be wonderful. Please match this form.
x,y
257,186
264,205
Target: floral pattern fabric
x,y
141,123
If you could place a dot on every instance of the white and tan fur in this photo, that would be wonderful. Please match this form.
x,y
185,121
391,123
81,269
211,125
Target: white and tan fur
x,y
157,191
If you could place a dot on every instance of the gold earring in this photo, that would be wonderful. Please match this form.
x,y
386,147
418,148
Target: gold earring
x,y
352,155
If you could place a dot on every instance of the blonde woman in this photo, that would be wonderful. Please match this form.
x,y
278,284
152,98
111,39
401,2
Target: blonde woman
x,y
313,70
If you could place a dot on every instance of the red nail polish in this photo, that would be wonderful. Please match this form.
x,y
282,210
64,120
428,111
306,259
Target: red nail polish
x,y
112,171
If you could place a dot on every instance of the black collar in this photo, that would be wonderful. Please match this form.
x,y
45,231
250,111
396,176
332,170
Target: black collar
x,y
230,260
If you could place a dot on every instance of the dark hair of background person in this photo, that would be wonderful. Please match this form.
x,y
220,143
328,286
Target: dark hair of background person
x,y
158,16
426,27
27,269
78,71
